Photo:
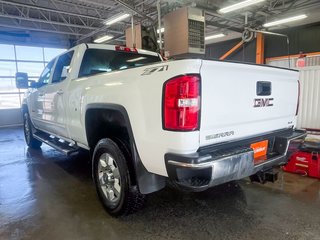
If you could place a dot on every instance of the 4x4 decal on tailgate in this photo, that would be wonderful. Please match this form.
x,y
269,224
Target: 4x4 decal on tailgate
x,y
151,70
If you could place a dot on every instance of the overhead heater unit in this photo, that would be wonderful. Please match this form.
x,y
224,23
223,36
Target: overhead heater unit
x,y
184,32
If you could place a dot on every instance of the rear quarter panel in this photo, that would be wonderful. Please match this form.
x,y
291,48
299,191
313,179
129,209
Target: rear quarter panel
x,y
139,91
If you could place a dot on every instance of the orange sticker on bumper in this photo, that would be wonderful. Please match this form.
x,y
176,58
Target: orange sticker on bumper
x,y
259,148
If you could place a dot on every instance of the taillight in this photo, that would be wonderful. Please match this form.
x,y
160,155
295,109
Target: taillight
x,y
181,103
298,103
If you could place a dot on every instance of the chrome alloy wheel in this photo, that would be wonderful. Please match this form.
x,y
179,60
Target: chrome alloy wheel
x,y
109,177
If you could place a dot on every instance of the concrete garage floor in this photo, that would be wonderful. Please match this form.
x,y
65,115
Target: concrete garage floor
x,y
44,195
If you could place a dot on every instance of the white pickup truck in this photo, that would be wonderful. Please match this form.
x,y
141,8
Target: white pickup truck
x,y
199,123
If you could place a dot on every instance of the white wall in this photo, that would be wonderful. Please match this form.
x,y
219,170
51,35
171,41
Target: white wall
x,y
309,111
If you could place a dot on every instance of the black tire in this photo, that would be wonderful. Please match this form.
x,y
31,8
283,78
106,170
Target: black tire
x,y
28,130
113,175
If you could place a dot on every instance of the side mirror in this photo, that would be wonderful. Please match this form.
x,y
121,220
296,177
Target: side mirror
x,y
22,80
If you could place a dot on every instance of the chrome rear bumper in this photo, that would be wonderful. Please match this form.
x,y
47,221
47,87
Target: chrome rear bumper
x,y
202,170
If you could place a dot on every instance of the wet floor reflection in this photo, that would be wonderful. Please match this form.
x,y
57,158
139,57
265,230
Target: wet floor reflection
x,y
44,193
16,191
17,200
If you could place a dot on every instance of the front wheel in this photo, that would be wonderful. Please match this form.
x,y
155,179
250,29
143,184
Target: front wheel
x,y
112,180
28,128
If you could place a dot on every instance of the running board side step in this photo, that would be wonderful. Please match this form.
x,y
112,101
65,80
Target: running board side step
x,y
62,146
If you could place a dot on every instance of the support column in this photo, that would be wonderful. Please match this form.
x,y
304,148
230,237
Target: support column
x,y
260,49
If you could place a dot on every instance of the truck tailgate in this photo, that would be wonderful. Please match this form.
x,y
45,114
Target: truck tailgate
x,y
235,102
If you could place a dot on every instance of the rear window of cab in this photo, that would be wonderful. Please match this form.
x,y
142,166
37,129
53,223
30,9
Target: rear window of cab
x,y
100,60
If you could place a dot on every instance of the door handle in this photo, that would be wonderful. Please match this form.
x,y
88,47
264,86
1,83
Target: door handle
x,y
60,92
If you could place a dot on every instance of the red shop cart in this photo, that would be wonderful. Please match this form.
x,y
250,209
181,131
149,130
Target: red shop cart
x,y
306,161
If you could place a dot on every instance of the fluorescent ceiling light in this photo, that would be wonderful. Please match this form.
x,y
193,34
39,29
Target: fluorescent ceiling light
x,y
214,36
116,18
161,29
285,20
239,5
103,39
136,59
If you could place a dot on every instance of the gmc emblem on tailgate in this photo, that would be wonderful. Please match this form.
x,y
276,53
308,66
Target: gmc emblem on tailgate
x,y
263,102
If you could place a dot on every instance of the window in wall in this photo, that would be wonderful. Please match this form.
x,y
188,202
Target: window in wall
x,y
33,69
31,60
10,100
9,97
7,52
7,68
7,84
50,53
29,53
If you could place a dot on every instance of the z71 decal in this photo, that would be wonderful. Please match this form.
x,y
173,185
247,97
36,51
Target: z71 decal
x,y
151,70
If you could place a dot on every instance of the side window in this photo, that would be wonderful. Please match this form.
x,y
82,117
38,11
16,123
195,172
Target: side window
x,y
62,67
45,75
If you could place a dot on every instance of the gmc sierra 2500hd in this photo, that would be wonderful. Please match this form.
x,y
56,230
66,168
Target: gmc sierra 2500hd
x,y
199,123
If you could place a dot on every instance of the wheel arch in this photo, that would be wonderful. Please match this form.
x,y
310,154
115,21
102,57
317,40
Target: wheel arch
x,y
112,121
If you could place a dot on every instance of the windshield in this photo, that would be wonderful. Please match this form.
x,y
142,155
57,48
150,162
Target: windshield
x,y
100,60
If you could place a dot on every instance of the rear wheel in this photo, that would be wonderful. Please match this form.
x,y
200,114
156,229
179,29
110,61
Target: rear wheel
x,y
112,180
28,128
